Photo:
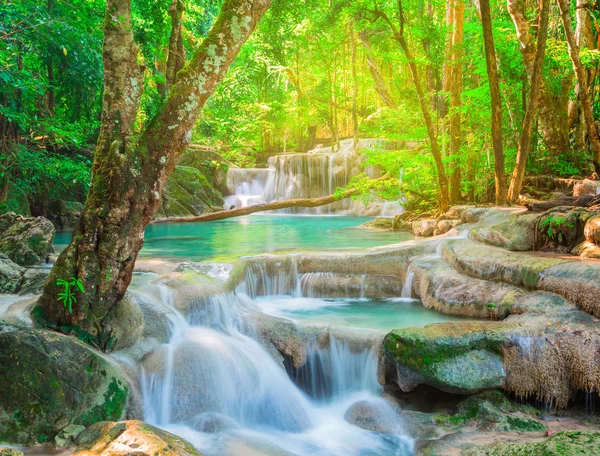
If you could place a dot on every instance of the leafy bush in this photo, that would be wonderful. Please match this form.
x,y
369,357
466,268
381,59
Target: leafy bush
x,y
43,177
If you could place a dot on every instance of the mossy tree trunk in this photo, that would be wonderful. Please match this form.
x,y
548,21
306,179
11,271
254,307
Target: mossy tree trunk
x,y
130,168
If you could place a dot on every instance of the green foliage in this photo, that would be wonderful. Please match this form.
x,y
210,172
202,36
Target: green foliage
x,y
43,177
67,296
554,227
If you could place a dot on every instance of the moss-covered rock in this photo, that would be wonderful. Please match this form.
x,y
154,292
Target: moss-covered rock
x,y
492,411
26,240
210,163
188,192
10,452
50,381
457,357
566,443
380,223
127,438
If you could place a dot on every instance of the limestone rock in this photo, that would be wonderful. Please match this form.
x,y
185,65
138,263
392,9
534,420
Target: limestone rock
x,y
50,381
586,187
445,225
124,322
11,275
33,281
26,240
565,443
516,233
188,192
127,438
457,357
380,223
424,228
375,415
210,163
592,230
491,411
474,214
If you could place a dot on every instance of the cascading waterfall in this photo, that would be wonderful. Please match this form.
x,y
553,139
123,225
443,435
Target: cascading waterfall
x,y
216,385
314,174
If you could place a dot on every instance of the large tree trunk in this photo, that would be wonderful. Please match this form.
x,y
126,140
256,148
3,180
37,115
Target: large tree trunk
x,y
458,17
581,74
128,174
398,34
492,71
175,58
527,128
553,103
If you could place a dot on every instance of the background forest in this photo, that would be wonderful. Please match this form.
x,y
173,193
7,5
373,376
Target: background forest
x,y
313,72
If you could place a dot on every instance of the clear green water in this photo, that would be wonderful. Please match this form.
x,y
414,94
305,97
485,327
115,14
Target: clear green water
x,y
382,314
257,234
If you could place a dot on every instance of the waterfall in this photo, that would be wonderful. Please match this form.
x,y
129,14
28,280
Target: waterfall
x,y
214,383
315,174
407,289
337,369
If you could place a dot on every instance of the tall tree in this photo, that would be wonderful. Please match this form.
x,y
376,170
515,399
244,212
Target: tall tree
x,y
455,86
492,71
130,168
581,74
398,34
516,182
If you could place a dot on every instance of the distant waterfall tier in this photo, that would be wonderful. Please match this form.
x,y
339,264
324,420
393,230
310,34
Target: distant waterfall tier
x,y
315,174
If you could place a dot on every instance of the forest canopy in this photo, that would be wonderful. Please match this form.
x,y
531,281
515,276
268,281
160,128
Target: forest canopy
x,y
313,72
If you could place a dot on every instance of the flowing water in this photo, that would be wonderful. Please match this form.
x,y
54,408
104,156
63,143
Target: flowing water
x,y
214,384
315,174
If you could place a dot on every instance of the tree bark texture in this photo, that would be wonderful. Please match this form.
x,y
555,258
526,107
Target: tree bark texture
x,y
128,174
492,71
581,74
398,34
534,97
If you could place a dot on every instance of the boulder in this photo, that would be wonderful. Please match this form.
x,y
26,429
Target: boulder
x,y
187,193
33,281
516,233
11,275
457,357
491,411
445,225
210,163
474,214
424,228
124,322
50,381
375,415
128,438
565,443
26,240
591,230
380,223
586,187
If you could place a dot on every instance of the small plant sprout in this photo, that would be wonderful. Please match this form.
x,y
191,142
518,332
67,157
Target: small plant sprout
x,y
67,296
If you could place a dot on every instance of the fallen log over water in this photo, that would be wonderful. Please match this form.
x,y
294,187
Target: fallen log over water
x,y
574,201
273,206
